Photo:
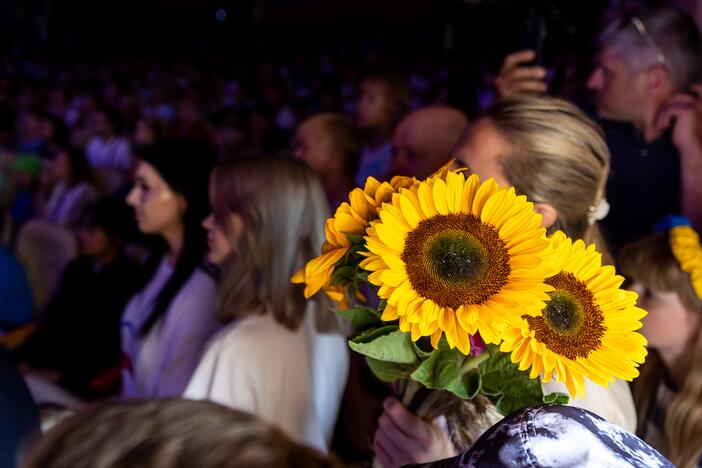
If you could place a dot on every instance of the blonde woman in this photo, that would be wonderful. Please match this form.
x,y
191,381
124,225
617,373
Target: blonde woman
x,y
668,393
552,153
168,433
281,357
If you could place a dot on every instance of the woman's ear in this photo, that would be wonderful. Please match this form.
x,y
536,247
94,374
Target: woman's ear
x,y
236,224
548,213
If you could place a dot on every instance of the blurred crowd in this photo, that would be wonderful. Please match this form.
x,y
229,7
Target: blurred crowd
x,y
153,210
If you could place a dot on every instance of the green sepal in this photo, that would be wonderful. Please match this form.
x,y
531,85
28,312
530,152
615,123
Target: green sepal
x,y
385,344
355,238
343,275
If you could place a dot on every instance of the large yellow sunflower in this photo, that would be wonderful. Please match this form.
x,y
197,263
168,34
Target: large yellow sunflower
x,y
586,330
352,217
453,256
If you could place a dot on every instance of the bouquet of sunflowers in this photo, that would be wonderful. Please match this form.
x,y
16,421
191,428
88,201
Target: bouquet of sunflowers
x,y
475,298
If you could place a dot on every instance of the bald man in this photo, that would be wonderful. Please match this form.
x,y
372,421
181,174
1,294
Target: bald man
x,y
424,138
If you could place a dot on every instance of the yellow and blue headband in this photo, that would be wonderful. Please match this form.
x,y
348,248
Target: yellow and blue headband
x,y
685,245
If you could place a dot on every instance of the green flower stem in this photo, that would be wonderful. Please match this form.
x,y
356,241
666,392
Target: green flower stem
x,y
472,362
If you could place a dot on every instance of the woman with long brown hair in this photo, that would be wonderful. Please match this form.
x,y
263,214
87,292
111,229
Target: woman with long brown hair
x,y
280,357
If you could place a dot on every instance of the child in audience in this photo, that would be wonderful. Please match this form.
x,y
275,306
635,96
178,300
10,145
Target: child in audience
x,y
330,144
384,100
666,270
281,357
166,325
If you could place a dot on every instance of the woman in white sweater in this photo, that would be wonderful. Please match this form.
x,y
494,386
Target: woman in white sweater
x,y
281,357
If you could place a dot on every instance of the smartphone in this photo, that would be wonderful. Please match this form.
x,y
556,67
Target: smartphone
x,y
532,34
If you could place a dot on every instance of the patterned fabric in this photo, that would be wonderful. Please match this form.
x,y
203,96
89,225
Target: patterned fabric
x,y
548,436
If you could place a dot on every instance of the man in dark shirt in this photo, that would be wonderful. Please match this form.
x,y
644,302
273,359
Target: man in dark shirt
x,y
646,64
643,184
646,70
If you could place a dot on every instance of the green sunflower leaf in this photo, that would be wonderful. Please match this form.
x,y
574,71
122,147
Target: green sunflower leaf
x,y
345,313
505,385
556,398
389,371
370,335
361,317
364,318
444,370
423,347
385,344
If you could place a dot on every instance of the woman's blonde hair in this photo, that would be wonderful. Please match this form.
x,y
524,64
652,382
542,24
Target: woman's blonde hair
x,y
557,156
283,208
650,262
167,434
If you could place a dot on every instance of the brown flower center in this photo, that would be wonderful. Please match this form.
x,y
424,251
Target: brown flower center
x,y
456,259
572,324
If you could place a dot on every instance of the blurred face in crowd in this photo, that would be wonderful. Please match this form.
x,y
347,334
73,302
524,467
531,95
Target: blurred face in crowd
x,y
93,241
410,154
312,143
669,325
100,124
61,167
144,134
157,208
480,150
372,105
423,140
620,91
29,126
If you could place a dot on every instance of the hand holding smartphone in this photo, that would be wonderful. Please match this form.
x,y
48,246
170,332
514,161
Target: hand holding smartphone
x,y
532,34
523,71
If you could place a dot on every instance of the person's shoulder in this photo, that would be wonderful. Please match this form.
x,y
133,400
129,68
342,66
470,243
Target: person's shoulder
x,y
260,332
200,280
85,188
616,127
93,143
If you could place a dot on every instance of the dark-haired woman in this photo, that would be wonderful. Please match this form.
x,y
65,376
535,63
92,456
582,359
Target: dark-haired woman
x,y
166,325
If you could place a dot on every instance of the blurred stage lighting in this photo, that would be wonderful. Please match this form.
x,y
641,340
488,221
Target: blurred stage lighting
x,y
221,15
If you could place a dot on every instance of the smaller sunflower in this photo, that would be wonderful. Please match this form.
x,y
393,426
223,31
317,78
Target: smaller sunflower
x,y
586,330
352,217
